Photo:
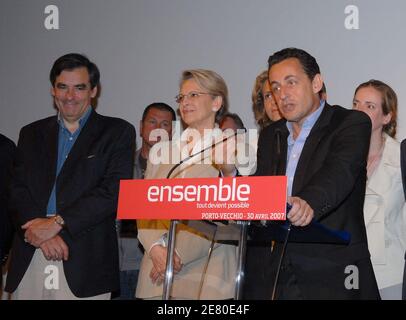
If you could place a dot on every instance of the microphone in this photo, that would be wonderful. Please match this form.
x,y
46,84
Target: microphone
x,y
172,230
203,150
278,151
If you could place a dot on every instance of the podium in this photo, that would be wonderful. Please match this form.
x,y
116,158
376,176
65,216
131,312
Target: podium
x,y
315,232
198,202
219,231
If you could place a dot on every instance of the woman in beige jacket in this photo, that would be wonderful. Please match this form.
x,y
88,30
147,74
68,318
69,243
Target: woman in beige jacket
x,y
384,201
203,99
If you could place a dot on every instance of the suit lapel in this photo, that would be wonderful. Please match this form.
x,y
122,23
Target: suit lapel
x,y
50,137
316,134
88,134
279,161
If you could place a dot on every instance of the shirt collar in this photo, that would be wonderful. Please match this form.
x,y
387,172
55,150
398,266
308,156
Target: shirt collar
x,y
310,120
82,120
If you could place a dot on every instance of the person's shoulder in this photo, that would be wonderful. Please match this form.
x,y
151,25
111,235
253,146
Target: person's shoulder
x,y
392,142
41,122
403,146
163,145
6,142
274,126
392,149
113,121
350,113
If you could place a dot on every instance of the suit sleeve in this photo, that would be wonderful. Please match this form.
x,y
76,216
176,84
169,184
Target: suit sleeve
x,y
403,164
343,165
262,159
7,152
100,203
22,203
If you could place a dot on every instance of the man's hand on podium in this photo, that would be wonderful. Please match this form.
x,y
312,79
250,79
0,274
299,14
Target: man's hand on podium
x,y
301,214
158,256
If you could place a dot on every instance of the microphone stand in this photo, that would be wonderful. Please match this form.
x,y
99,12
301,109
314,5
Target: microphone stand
x,y
242,248
168,281
285,243
275,172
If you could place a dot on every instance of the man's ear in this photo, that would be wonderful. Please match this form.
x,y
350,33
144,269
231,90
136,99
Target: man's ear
x,y
93,92
317,83
52,91
140,132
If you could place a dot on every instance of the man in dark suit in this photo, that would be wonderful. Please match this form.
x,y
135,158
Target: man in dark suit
x,y
7,153
403,169
322,149
65,190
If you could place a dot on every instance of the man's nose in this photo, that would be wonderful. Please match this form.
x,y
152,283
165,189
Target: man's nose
x,y
283,93
70,93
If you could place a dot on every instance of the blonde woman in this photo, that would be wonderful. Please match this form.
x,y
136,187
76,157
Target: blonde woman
x,y
203,99
263,104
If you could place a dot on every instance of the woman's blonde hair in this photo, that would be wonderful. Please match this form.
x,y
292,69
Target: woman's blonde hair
x,y
258,107
213,83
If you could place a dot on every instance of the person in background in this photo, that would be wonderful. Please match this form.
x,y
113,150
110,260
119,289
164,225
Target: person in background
x,y
263,103
231,121
384,199
156,117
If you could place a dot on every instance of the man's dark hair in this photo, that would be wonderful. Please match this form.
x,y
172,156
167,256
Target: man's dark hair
x,y
235,117
72,61
308,62
160,106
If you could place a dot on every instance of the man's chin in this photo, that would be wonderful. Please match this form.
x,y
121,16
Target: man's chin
x,y
152,143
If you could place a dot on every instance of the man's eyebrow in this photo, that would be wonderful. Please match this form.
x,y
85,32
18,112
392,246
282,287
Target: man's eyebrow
x,y
286,78
290,76
80,85
76,85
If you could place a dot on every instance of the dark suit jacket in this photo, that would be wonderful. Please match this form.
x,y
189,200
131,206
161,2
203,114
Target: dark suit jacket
x,y
86,193
403,169
403,164
330,176
7,152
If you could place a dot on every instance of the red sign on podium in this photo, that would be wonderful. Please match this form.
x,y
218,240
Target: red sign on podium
x,y
231,198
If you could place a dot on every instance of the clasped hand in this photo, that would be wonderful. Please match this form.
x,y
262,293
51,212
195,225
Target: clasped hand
x,y
158,255
39,230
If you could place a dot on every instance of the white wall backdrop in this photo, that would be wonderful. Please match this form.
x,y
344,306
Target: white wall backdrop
x,y
141,47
